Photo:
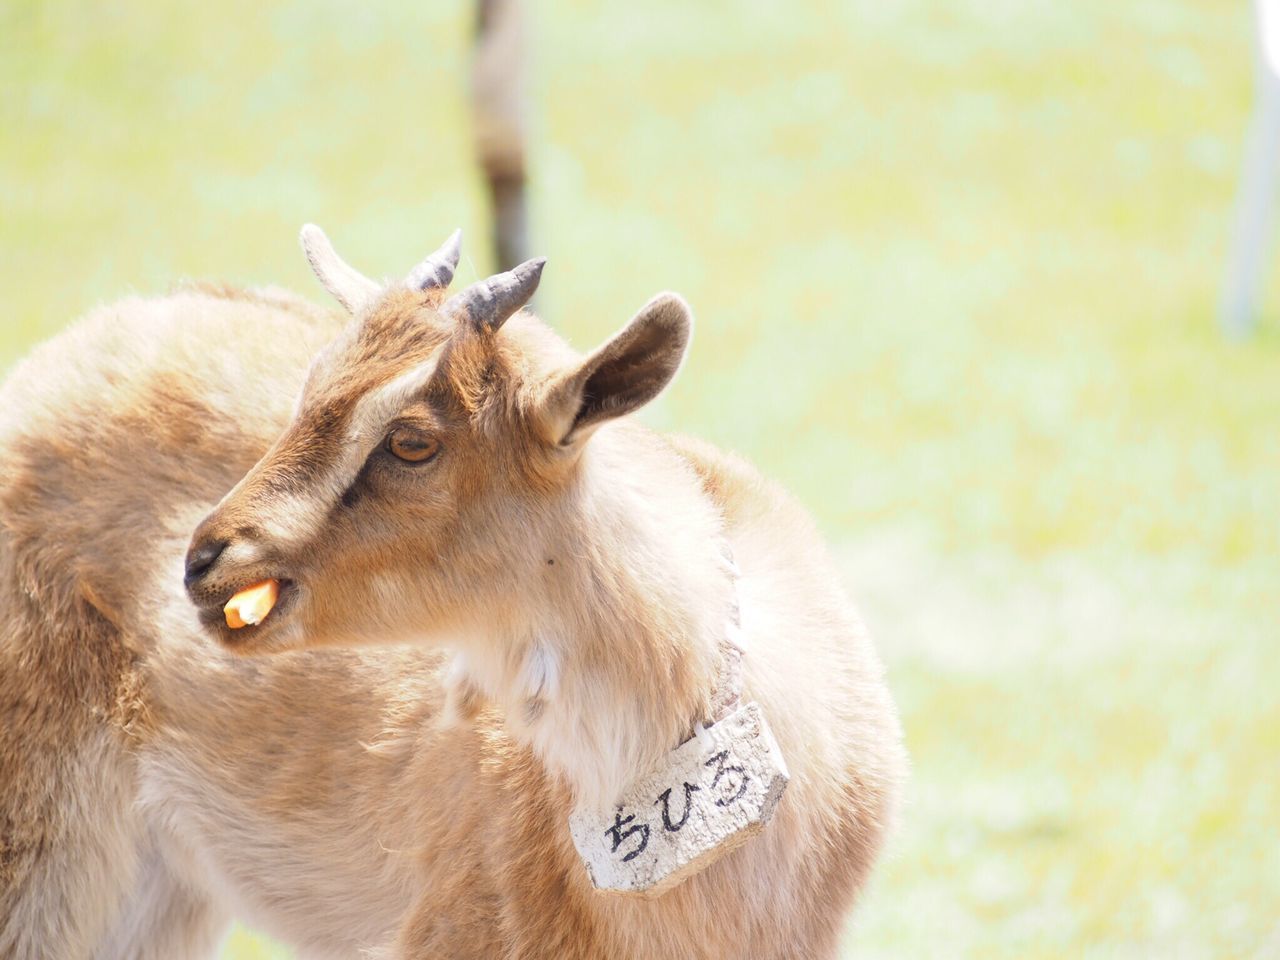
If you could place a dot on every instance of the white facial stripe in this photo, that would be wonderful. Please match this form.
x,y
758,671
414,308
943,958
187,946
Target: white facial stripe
x,y
375,408
296,519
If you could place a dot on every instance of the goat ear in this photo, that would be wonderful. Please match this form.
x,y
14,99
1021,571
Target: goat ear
x,y
621,376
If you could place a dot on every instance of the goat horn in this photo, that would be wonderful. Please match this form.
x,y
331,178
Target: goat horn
x,y
349,286
436,272
489,303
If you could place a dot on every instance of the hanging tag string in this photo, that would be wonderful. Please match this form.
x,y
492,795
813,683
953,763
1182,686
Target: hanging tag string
x,y
727,695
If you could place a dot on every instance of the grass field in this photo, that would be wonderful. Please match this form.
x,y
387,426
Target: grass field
x,y
955,269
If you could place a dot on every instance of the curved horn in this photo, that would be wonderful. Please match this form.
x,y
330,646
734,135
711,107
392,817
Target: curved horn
x,y
436,272
349,286
489,303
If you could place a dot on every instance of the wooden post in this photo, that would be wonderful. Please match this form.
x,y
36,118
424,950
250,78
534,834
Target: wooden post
x,y
499,107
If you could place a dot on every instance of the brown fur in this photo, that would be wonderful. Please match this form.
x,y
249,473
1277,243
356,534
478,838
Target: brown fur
x,y
152,784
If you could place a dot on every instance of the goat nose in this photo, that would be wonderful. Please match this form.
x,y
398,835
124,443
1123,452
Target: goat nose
x,y
201,557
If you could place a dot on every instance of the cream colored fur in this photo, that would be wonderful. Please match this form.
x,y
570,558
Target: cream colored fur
x,y
154,783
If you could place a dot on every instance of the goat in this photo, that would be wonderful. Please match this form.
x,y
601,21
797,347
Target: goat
x,y
454,475
547,579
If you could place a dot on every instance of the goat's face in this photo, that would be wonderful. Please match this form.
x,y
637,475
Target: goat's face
x,y
419,478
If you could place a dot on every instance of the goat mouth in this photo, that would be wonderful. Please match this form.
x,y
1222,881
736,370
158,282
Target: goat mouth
x,y
214,618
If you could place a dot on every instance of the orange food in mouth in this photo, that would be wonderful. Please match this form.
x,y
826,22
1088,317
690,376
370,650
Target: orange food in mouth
x,y
252,604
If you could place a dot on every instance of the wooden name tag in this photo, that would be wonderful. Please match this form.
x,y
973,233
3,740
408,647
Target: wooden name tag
x,y
710,795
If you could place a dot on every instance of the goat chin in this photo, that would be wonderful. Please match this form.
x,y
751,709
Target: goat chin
x,y
410,798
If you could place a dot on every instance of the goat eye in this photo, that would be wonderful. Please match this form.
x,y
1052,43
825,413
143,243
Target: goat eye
x,y
412,446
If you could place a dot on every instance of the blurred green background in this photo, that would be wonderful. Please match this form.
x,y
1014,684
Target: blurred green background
x,y
955,269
